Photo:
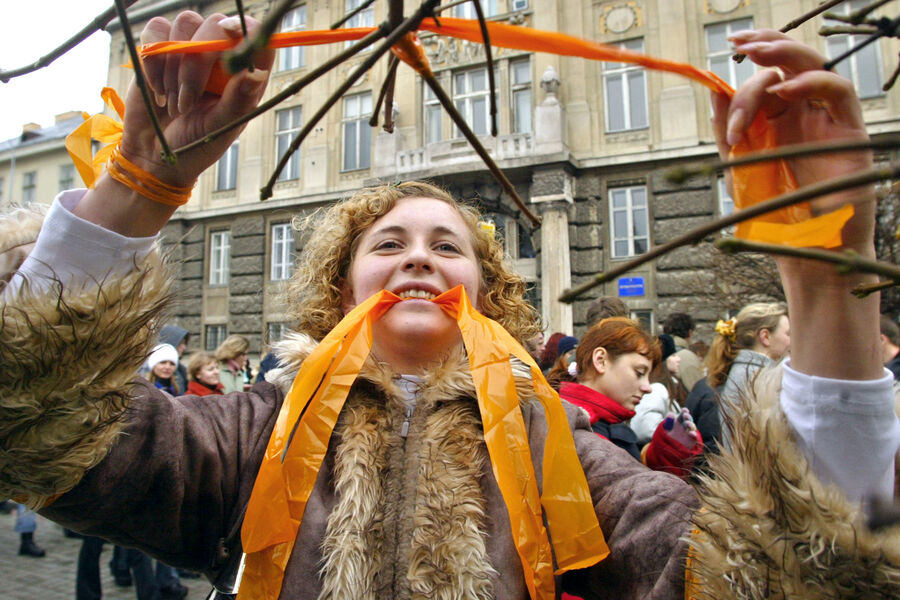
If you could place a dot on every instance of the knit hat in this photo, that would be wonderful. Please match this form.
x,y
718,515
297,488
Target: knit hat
x,y
565,344
668,345
160,353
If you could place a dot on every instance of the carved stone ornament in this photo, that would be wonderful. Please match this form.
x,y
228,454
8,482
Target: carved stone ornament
x,y
550,80
619,18
449,52
723,6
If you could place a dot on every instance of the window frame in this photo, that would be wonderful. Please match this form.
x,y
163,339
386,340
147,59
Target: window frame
x,y
29,187
629,210
622,71
219,272
468,97
849,67
282,252
517,88
291,171
364,18
221,332
293,58
731,27
360,123
467,11
431,108
228,163
66,177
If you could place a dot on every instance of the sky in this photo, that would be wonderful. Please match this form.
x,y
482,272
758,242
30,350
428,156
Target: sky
x,y
31,29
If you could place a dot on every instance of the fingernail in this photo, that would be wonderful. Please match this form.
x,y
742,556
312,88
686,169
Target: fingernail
x,y
172,103
160,99
777,87
735,131
742,34
232,23
253,81
185,98
751,47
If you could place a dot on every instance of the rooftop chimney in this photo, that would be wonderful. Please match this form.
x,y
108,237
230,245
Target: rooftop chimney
x,y
30,128
67,115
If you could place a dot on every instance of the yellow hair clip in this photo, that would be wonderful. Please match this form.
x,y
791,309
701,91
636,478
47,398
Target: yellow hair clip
x,y
727,328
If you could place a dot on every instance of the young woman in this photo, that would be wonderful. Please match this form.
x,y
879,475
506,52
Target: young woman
x,y
614,360
232,354
666,395
203,375
406,499
162,363
758,336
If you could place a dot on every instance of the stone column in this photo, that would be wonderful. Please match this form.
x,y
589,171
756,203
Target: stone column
x,y
551,196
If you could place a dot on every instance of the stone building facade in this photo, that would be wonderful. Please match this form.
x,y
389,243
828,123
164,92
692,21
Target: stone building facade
x,y
585,143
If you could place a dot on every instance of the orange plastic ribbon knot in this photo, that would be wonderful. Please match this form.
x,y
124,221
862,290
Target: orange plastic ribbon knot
x,y
303,430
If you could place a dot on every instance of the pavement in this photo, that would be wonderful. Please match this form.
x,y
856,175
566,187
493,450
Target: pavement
x,y
53,576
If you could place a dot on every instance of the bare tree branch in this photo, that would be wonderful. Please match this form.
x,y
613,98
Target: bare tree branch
x,y
98,24
490,64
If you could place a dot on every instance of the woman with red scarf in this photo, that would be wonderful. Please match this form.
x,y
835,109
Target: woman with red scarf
x,y
614,360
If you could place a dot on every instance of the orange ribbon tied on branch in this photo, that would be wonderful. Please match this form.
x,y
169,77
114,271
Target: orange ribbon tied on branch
x,y
101,128
307,419
794,226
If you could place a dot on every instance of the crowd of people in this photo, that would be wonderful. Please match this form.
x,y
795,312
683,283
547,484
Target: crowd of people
x,y
405,444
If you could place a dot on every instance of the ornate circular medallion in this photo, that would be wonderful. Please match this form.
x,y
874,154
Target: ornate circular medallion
x,y
620,18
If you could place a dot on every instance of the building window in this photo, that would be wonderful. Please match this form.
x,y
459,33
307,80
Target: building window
x,y
630,221
215,335
282,251
719,52
227,168
287,128
520,74
518,4
219,257
863,68
29,187
645,318
292,58
625,91
357,132
432,117
470,95
364,18
66,177
726,203
467,11
275,332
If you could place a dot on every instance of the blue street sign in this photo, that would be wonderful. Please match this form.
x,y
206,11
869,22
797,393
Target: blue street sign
x,y
631,286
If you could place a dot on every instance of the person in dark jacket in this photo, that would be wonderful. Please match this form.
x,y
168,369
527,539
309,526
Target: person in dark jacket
x,y
890,345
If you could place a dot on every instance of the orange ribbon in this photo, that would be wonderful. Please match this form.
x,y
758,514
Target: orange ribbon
x,y
793,226
304,426
99,127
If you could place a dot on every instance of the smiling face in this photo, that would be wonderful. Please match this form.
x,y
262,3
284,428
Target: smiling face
x,y
418,250
624,379
164,369
209,374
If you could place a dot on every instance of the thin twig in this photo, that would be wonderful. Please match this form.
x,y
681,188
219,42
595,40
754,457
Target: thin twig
x,y
848,261
243,58
681,174
892,79
847,30
289,91
490,64
353,13
240,9
98,24
395,17
696,235
798,22
863,290
884,28
868,9
141,81
408,25
460,122
393,63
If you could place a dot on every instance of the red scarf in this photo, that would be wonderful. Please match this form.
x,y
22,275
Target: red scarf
x,y
599,407
201,389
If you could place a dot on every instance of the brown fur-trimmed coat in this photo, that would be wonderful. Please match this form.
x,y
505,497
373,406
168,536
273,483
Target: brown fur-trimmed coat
x,y
419,517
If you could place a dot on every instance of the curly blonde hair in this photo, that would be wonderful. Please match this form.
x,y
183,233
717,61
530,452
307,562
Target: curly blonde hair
x,y
314,295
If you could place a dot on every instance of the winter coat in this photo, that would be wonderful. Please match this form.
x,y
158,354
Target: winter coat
x,y
650,412
690,370
231,381
419,517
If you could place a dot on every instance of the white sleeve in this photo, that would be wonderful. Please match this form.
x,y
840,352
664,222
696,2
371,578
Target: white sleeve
x,y
848,430
72,250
